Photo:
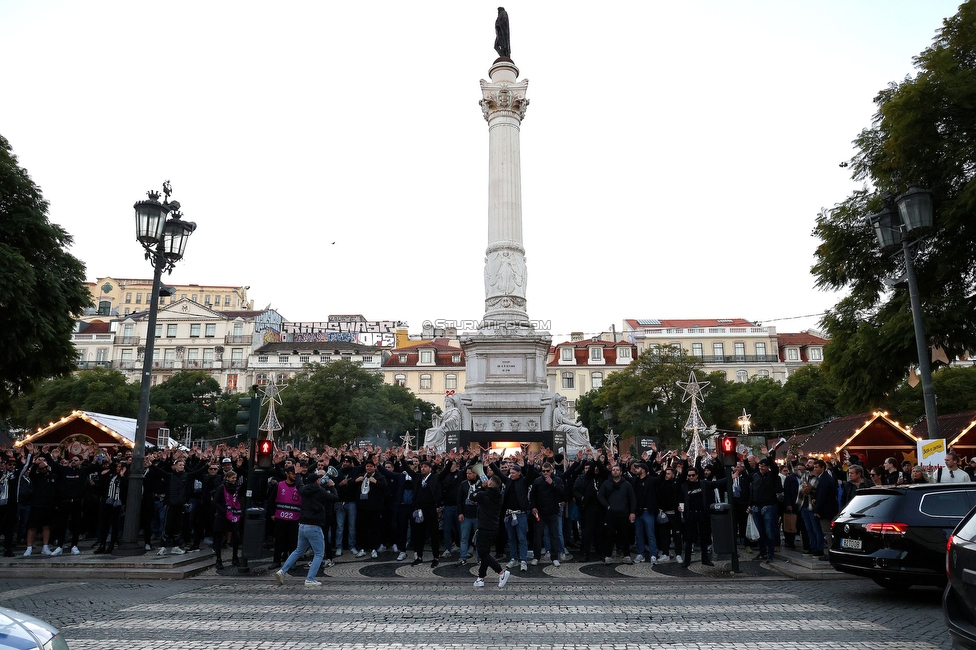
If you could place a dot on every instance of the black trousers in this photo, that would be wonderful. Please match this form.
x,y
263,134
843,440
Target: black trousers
x,y
427,528
697,529
70,517
619,532
592,530
484,552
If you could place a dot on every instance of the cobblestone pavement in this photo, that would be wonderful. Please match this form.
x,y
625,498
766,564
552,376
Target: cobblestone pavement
x,y
417,608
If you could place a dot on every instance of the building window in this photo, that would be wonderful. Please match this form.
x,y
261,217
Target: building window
x,y
126,355
400,380
283,358
764,374
718,349
569,380
138,298
261,379
325,358
426,356
195,331
227,300
171,331
304,358
450,382
262,358
403,358
596,379
206,301
159,330
456,357
191,358
127,330
208,356
231,383
739,350
211,330
816,354
194,298
565,354
183,296
696,350
760,349
596,354
742,376
237,354
126,312
624,352
425,382
792,354
367,358
128,297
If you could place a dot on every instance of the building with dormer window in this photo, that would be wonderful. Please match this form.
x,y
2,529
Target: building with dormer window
x,y
801,349
579,366
430,368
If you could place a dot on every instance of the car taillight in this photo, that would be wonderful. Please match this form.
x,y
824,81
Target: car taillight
x,y
887,529
948,551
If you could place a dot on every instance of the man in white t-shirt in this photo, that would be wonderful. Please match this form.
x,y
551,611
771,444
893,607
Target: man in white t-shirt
x,y
951,473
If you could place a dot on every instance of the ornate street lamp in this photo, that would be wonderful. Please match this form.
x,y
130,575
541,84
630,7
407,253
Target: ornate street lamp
x,y
905,228
163,234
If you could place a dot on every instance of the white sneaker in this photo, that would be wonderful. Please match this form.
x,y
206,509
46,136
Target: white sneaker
x,y
177,551
503,578
523,566
627,560
638,559
555,563
57,551
402,556
373,555
563,557
280,577
45,550
148,547
382,549
395,549
663,558
446,553
534,562
608,560
312,583
511,563
161,551
679,559
653,560
28,552
359,553
328,564
480,582
75,550
338,552
545,556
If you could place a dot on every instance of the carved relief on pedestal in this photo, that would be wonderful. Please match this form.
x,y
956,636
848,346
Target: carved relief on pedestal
x,y
533,425
498,424
505,274
515,424
480,426
504,96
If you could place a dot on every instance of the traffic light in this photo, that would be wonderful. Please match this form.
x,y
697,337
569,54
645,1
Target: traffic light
x,y
249,411
729,455
265,452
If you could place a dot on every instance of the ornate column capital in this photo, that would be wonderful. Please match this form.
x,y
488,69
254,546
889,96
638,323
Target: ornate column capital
x,y
504,98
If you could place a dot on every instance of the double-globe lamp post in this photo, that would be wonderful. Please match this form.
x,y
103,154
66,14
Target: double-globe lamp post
x,y
163,234
904,228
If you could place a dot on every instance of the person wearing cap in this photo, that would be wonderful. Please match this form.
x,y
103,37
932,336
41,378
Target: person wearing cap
x,y
765,495
226,465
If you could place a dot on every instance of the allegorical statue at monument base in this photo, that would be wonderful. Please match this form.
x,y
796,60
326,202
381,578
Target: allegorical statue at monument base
x,y
436,436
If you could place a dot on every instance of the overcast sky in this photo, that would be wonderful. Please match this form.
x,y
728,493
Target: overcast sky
x,y
674,155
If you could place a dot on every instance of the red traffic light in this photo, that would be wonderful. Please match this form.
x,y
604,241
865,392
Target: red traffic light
x,y
728,445
264,447
729,454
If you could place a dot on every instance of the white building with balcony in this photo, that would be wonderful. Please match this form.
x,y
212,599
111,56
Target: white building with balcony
x,y
283,360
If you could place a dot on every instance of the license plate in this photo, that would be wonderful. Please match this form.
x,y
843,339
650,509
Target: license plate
x,y
851,543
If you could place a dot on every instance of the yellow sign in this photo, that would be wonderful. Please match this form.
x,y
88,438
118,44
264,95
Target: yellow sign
x,y
934,447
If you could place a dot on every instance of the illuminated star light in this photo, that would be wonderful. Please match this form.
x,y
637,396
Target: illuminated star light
x,y
692,387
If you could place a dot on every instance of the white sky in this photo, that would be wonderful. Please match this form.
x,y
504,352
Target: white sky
x,y
674,155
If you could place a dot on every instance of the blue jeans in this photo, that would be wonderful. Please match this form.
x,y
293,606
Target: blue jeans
x,y
308,537
517,543
449,517
346,510
644,531
813,530
767,520
468,526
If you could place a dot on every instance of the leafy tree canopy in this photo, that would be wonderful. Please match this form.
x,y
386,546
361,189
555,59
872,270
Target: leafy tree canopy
x,y
42,286
924,132
99,390
188,399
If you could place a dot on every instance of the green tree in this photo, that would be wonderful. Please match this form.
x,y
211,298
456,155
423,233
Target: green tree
x,y
337,402
99,390
956,388
188,399
644,398
924,132
42,286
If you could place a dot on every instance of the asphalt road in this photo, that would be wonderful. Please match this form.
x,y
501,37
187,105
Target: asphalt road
x,y
420,609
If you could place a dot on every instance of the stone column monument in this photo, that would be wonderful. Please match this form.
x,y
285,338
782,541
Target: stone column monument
x,y
505,389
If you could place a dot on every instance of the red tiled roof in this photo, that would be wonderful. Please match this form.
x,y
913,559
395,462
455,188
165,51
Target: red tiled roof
x,y
692,322
802,339
95,327
252,313
443,355
581,352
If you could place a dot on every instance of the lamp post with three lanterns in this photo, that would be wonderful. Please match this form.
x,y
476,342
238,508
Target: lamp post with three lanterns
x,y
163,234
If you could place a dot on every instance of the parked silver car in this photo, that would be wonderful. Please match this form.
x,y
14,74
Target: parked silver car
x,y
24,632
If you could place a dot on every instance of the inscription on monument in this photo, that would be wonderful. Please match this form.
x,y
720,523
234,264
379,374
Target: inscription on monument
x,y
506,366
